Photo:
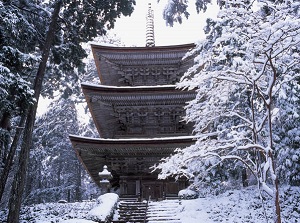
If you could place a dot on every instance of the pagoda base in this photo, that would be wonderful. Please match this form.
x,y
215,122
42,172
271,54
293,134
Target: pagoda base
x,y
149,187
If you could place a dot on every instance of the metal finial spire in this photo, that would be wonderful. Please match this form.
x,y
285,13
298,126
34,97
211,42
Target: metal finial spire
x,y
150,42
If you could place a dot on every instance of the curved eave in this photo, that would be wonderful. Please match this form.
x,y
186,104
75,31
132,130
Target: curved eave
x,y
155,147
137,89
163,140
141,49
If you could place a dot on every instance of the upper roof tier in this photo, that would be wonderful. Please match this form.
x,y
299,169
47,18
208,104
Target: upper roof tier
x,y
141,66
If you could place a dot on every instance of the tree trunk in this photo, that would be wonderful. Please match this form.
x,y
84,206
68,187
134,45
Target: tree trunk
x,y
78,182
244,177
19,179
4,135
277,201
5,121
270,153
11,154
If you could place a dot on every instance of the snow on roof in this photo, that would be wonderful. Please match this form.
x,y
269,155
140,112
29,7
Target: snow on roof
x,y
77,220
143,48
133,139
128,87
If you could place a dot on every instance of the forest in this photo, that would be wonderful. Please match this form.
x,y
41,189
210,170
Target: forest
x,y
246,111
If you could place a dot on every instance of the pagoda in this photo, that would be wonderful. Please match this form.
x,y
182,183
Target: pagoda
x,y
138,113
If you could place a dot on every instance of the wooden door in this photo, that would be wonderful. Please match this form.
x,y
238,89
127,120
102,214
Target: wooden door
x,y
152,190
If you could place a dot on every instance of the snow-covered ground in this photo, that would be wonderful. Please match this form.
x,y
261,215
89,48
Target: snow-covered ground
x,y
241,206
237,206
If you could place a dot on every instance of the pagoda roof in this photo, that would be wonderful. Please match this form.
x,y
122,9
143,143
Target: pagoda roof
x,y
151,111
154,140
162,50
125,156
107,88
130,66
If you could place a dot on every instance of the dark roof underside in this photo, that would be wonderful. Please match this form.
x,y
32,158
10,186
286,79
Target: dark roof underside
x,y
125,156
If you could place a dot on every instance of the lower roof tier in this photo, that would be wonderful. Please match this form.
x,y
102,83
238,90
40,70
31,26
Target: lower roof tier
x,y
126,112
125,157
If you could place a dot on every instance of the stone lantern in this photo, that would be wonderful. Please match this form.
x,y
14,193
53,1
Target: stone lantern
x,y
105,176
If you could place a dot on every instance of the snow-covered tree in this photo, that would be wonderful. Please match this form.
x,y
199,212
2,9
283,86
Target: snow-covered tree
x,y
249,58
19,37
287,133
54,170
176,10
50,29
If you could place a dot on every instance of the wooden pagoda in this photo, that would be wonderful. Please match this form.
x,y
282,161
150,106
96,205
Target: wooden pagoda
x,y
138,113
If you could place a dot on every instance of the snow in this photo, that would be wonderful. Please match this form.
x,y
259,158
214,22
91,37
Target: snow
x,y
232,206
106,202
187,193
166,86
236,206
132,139
77,221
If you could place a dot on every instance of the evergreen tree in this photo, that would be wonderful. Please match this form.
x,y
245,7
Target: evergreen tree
x,y
55,172
248,57
19,38
286,134
54,32
176,10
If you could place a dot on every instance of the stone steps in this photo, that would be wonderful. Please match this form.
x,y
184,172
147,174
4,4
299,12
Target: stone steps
x,y
163,211
131,211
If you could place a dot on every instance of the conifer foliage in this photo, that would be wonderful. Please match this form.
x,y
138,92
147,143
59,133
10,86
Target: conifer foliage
x,y
54,172
41,40
244,69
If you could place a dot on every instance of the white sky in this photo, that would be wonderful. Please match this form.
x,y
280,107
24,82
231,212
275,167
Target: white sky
x,y
132,30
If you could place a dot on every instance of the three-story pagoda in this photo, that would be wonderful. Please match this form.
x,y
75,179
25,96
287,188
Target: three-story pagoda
x,y
138,113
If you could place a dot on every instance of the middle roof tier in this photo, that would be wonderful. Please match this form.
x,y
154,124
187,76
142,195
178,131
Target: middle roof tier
x,y
148,111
